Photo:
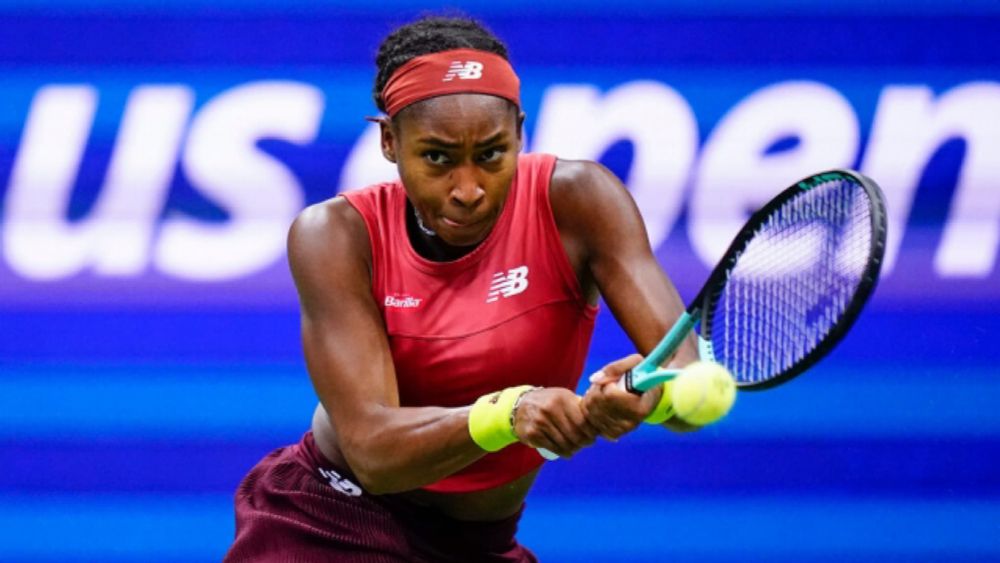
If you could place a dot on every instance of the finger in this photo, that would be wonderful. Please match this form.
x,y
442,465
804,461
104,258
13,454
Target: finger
x,y
612,424
601,377
583,432
616,412
589,400
622,404
570,424
615,434
535,436
650,399
611,406
619,427
595,408
579,429
549,427
618,367
614,430
607,426
560,445
614,371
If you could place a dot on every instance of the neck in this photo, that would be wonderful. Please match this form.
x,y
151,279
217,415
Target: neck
x,y
429,245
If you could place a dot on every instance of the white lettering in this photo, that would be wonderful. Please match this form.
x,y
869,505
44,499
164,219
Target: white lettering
x,y
406,302
972,232
260,194
138,178
38,242
471,70
576,122
770,139
736,175
909,126
114,239
340,483
508,284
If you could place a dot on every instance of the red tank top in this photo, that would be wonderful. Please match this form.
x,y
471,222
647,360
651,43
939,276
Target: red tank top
x,y
510,312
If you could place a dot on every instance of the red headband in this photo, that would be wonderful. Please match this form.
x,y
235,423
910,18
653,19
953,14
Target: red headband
x,y
450,72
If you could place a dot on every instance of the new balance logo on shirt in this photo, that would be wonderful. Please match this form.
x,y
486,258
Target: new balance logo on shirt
x,y
468,70
508,284
340,483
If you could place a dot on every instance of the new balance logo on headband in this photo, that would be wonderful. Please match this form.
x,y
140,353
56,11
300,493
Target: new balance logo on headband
x,y
469,70
434,74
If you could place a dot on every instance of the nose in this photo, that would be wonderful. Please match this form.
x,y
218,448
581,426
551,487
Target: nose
x,y
466,189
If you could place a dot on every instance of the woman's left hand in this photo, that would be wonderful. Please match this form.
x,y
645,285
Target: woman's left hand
x,y
615,412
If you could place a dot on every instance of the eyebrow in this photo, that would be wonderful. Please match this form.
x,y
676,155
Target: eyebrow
x,y
447,145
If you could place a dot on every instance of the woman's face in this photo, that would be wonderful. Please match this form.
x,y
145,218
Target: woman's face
x,y
456,156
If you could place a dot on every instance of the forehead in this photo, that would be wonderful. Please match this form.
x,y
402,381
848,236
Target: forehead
x,y
458,116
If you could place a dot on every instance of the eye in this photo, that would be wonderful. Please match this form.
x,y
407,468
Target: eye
x,y
492,155
437,158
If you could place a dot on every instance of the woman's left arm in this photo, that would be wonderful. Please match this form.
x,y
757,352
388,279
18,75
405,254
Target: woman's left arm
x,y
604,234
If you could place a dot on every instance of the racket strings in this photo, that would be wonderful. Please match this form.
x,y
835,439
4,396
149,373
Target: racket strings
x,y
793,281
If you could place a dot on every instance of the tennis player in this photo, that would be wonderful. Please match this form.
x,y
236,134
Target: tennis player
x,y
446,317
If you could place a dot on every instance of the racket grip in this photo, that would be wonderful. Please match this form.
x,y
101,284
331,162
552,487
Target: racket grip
x,y
549,455
640,382
625,383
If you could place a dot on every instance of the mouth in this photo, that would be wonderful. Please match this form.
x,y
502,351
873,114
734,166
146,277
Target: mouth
x,y
461,224
464,231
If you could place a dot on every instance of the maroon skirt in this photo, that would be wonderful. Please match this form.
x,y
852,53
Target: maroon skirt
x,y
295,505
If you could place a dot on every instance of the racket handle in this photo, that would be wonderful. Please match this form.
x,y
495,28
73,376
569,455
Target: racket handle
x,y
666,347
549,455
625,383
628,382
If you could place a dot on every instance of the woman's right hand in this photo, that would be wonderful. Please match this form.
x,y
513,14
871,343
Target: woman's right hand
x,y
551,418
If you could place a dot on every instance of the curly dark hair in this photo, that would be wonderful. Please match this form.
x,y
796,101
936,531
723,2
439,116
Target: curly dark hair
x,y
431,34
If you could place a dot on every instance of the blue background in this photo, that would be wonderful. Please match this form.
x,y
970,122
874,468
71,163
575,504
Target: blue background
x,y
131,408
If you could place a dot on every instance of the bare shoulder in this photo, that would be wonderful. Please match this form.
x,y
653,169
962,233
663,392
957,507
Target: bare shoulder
x,y
588,199
575,179
328,241
329,226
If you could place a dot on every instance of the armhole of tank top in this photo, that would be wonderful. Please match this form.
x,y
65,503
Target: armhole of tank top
x,y
555,240
374,248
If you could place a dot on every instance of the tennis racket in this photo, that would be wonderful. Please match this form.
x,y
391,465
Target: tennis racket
x,y
789,287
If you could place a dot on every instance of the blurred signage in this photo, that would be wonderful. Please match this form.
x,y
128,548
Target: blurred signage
x,y
766,141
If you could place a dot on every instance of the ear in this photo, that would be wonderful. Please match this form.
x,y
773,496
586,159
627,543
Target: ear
x,y
520,131
387,138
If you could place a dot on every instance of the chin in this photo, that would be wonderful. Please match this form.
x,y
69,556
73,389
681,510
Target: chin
x,y
462,242
464,238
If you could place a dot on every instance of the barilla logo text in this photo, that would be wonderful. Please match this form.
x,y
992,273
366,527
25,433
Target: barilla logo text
x,y
468,70
402,302
508,284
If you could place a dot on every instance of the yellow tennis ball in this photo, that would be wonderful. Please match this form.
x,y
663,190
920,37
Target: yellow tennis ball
x,y
702,393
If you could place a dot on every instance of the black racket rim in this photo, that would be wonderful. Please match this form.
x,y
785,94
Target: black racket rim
x,y
713,288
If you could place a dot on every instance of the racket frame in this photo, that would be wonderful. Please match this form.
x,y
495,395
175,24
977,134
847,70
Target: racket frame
x,y
648,373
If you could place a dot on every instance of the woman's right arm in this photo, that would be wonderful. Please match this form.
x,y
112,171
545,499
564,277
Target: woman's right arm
x,y
389,448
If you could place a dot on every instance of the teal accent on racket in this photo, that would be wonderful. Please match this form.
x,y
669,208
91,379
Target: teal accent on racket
x,y
788,288
648,373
